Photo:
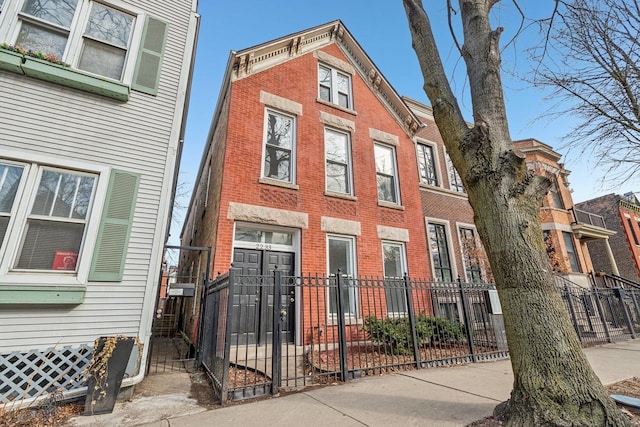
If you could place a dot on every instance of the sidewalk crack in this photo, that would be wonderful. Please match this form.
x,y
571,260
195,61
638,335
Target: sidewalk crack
x,y
338,411
450,388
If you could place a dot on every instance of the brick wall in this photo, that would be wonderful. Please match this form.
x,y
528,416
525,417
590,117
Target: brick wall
x,y
296,80
624,250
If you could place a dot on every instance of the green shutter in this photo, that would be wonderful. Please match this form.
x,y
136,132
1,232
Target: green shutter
x,y
147,73
113,237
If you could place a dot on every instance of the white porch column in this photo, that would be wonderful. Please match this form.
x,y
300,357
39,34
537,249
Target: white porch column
x,y
612,260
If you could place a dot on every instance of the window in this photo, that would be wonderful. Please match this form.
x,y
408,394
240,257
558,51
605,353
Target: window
x,y
449,310
556,197
427,165
49,27
279,146
455,181
440,252
386,173
45,221
90,36
470,252
56,224
10,177
53,230
394,262
338,162
341,257
45,26
571,252
106,41
334,87
632,231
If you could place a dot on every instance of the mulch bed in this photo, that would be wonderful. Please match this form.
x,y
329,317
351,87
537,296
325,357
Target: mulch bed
x,y
241,377
373,359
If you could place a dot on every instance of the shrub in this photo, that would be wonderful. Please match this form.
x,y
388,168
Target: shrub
x,y
395,332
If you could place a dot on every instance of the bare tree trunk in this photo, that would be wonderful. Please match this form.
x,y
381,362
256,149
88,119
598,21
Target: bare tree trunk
x,y
553,382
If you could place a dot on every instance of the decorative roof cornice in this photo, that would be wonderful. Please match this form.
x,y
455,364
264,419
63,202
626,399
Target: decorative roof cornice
x,y
628,205
261,57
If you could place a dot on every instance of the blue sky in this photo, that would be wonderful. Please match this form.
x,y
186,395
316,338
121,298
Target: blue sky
x,y
380,27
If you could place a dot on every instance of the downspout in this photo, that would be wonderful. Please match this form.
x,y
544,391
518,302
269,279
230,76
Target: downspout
x,y
127,382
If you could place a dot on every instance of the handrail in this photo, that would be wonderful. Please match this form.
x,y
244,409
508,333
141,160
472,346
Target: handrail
x,y
584,217
624,281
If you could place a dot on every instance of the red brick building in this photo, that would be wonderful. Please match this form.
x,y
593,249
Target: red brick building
x,y
305,167
454,248
622,214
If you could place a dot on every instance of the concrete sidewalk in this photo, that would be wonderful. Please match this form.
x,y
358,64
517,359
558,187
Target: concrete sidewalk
x,y
449,396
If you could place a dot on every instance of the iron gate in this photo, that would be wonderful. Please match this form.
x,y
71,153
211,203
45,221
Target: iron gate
x,y
178,305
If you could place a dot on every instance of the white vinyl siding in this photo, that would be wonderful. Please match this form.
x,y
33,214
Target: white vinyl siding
x,y
45,120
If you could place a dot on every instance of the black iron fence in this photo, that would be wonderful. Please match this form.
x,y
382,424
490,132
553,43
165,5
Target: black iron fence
x,y
602,315
264,334
261,335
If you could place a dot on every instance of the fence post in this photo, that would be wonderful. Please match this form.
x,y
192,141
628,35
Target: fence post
x,y
467,321
201,309
227,340
572,310
276,337
603,319
412,321
636,306
619,292
342,330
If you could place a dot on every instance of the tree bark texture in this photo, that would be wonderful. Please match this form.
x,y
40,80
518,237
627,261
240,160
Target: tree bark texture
x,y
554,384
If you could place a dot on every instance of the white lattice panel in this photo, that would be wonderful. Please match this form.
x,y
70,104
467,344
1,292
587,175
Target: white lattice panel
x,y
34,374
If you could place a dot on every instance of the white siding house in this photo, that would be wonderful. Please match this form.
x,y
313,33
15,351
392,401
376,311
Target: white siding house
x,y
91,132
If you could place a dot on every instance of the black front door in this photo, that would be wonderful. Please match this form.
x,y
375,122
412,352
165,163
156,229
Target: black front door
x,y
252,320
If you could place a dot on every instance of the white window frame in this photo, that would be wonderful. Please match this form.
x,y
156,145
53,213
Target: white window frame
x,y
403,262
292,161
353,264
436,169
10,23
334,92
9,250
394,176
348,159
14,208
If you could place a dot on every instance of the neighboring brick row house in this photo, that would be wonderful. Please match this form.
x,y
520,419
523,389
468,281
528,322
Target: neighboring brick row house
x,y
622,214
314,163
449,218
566,234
